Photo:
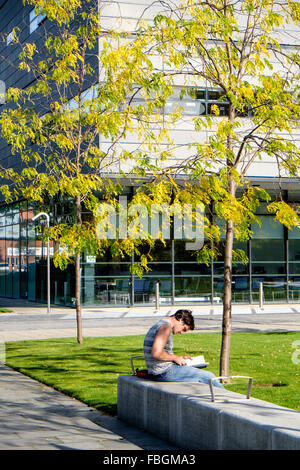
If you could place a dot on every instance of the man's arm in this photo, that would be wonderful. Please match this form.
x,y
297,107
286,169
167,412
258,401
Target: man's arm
x,y
159,343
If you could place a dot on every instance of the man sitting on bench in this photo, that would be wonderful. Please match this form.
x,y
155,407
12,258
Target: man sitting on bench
x,y
162,364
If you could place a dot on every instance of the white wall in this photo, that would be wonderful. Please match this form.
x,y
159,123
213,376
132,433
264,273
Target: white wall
x,y
126,15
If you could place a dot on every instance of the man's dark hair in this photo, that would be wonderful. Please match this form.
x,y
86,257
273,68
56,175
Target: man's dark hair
x,y
186,316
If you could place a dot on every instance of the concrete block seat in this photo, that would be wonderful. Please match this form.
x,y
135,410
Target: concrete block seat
x,y
185,415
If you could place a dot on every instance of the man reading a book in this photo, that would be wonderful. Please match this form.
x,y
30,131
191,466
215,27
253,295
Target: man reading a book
x,y
161,362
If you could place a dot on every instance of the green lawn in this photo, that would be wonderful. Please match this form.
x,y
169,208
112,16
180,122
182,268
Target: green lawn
x,y
89,371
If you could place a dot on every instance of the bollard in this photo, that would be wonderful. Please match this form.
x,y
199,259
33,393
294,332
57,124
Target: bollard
x,y
65,291
261,295
157,295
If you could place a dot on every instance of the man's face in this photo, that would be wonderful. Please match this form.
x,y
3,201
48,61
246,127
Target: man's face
x,y
180,327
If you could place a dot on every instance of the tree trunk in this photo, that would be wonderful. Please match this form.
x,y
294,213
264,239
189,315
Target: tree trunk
x,y
77,279
227,300
77,297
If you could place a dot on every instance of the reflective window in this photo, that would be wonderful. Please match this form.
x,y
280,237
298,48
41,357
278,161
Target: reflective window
x,y
294,256
196,102
294,288
294,234
9,38
274,289
267,250
269,228
35,19
192,289
240,289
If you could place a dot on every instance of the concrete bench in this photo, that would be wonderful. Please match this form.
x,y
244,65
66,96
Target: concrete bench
x,y
185,415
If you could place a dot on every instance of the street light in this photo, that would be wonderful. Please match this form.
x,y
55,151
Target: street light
x,y
48,257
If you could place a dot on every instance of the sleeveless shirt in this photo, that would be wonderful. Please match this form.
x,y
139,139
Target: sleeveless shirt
x,y
155,366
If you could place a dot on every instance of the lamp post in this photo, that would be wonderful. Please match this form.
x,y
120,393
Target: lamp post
x,y
48,257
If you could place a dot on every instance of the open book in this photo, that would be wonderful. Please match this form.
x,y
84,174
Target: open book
x,y
197,361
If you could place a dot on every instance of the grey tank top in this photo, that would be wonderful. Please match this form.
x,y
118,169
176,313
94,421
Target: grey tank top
x,y
155,366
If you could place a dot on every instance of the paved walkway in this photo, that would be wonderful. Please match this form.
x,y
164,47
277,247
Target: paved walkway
x,y
34,416
26,307
116,321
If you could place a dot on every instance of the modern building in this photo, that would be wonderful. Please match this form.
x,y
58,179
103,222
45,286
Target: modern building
x,y
273,251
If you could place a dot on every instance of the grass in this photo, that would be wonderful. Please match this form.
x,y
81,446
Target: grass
x,y
89,371
5,310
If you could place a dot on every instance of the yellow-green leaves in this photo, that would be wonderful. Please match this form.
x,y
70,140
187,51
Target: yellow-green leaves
x,y
60,11
285,214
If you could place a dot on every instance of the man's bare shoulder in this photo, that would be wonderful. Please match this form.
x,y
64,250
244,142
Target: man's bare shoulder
x,y
164,329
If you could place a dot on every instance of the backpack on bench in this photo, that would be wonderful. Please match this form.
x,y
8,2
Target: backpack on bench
x,y
141,373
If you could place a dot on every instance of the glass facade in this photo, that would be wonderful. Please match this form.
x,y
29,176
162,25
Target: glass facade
x,y
273,252
274,260
23,259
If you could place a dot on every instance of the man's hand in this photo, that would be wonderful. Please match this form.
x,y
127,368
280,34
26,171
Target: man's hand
x,y
181,360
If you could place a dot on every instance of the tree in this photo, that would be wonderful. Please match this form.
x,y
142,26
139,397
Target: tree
x,y
232,46
53,124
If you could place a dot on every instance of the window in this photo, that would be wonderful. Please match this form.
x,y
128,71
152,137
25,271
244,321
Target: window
x,y
9,38
35,19
192,101
88,94
191,104
196,102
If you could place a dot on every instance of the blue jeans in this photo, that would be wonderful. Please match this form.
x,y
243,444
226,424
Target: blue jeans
x,y
178,373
